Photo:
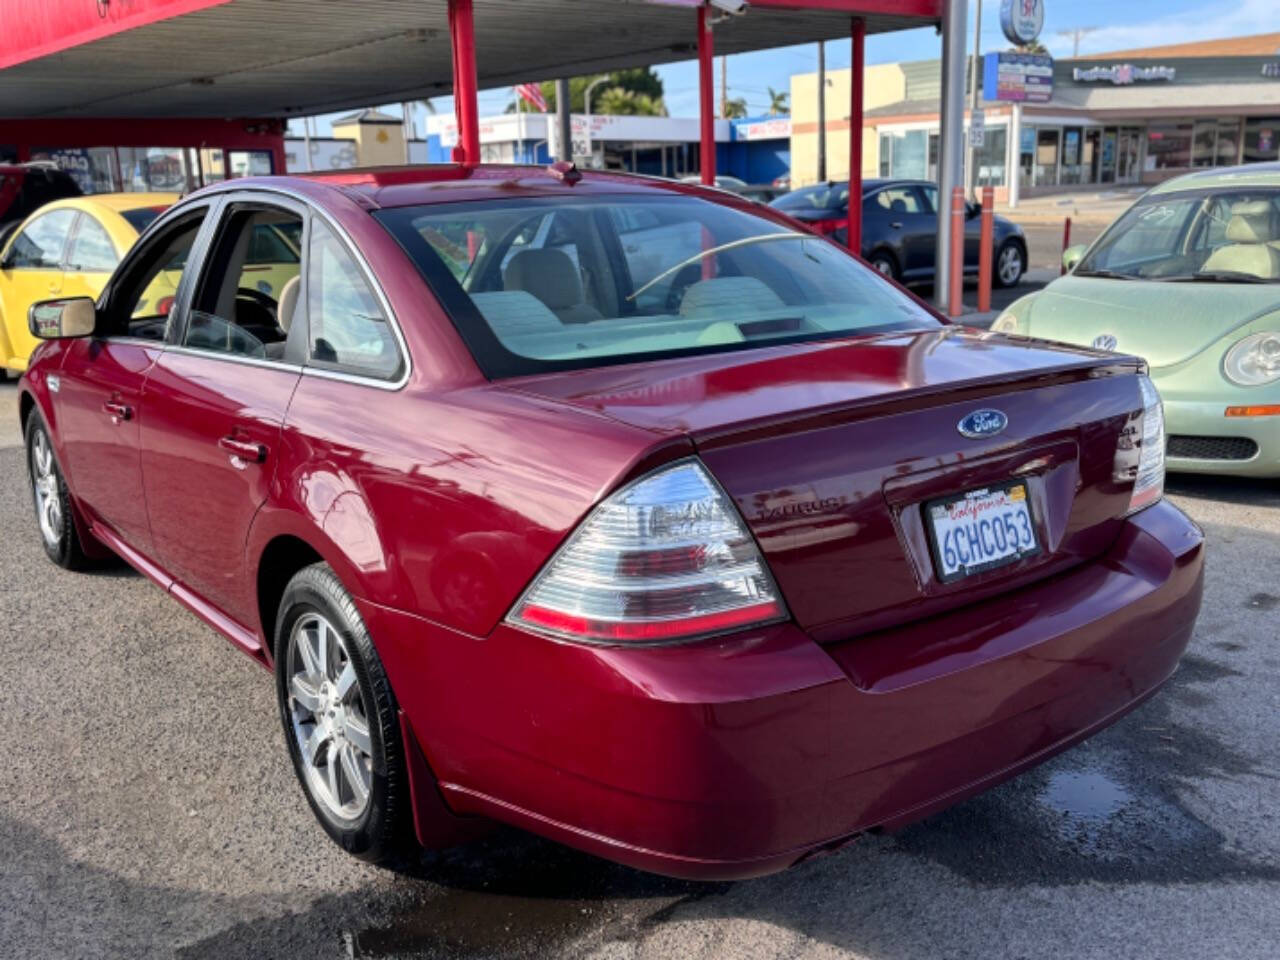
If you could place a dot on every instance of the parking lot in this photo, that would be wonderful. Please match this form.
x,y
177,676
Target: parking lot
x,y
148,809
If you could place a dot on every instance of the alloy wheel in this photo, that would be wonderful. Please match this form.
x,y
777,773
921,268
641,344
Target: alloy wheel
x,y
1010,265
329,718
44,483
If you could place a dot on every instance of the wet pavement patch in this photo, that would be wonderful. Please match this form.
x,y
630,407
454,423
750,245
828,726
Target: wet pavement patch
x,y
1109,810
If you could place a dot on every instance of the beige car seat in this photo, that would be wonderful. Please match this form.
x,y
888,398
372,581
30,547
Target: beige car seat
x,y
1250,232
551,276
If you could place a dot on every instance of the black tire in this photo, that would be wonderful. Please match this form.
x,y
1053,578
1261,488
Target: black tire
x,y
381,832
64,549
1008,249
884,262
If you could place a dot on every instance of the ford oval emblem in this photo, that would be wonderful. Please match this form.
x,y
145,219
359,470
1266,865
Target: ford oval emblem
x,y
1104,341
982,423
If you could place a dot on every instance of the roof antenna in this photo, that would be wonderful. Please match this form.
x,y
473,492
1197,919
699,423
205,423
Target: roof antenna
x,y
565,171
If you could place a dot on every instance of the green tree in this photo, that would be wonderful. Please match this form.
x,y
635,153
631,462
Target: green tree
x,y
779,102
735,108
1034,46
642,82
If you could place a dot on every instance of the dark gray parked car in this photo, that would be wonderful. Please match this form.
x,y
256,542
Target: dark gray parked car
x,y
900,228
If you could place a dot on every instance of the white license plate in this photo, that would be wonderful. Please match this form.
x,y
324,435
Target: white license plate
x,y
981,530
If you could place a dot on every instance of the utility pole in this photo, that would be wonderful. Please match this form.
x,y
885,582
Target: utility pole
x,y
950,159
564,125
1075,36
822,111
975,103
724,87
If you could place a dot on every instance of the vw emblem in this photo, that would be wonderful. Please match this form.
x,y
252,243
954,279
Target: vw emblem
x,y
982,423
1104,341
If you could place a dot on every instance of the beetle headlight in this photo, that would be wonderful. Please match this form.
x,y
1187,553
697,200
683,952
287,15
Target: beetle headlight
x,y
1005,323
1254,360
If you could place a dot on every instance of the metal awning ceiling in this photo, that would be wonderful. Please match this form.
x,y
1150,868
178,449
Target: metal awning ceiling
x,y
280,57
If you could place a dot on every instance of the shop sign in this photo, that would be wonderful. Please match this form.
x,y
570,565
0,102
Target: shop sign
x,y
1122,74
1017,76
1022,20
776,128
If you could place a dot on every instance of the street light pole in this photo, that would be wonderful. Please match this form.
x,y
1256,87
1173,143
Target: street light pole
x,y
954,22
975,102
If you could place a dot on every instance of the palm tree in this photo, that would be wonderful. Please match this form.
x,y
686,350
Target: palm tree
x,y
1035,46
735,108
779,102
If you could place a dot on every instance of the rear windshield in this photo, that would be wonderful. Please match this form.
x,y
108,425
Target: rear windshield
x,y
536,285
832,197
140,217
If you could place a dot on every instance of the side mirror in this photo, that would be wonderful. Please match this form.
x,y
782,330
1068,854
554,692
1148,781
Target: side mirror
x,y
60,319
972,209
1073,255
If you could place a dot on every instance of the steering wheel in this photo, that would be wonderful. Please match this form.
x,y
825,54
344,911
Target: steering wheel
x,y
258,297
264,306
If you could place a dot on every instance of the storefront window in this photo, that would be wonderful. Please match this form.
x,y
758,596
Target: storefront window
x,y
909,158
1228,149
886,153
1107,170
991,158
1026,155
1071,151
1169,146
146,169
249,163
1262,139
1046,168
92,168
1203,143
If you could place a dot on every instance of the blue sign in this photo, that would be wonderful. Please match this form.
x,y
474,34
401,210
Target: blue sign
x,y
1017,76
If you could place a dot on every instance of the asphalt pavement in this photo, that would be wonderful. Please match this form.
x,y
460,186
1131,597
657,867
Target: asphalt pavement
x,y
147,809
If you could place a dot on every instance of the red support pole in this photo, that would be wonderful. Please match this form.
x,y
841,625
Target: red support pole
x,y
955,302
855,133
985,253
706,97
1066,242
462,34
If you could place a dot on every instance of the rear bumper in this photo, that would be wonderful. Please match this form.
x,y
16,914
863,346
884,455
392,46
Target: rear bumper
x,y
740,756
1190,418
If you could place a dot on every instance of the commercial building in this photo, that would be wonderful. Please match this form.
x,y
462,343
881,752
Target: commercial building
x,y
756,150
1128,117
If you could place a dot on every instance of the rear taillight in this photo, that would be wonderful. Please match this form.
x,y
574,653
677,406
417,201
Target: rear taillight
x,y
666,558
828,226
1140,450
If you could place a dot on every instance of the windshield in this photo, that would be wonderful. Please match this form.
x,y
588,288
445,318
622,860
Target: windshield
x,y
537,285
825,197
1227,235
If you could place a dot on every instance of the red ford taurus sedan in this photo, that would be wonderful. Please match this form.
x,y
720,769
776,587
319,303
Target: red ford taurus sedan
x,y
622,511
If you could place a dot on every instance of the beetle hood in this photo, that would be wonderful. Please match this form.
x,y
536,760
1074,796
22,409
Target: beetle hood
x,y
1162,322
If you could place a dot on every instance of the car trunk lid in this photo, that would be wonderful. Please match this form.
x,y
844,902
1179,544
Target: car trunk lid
x,y
832,450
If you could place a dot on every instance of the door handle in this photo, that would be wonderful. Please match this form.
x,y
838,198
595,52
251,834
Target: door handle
x,y
897,224
118,411
245,450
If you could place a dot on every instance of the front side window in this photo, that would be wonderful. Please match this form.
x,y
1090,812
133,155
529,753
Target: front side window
x,y
143,296
1231,235
652,276
349,330
42,243
246,297
91,250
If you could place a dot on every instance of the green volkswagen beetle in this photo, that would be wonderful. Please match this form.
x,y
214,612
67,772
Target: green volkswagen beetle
x,y
1189,279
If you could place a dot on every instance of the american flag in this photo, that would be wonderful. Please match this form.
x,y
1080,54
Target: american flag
x,y
531,93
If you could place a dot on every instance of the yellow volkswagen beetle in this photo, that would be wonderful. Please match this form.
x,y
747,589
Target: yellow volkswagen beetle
x,y
68,248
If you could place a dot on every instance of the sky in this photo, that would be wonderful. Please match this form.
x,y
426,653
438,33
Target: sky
x,y
1104,24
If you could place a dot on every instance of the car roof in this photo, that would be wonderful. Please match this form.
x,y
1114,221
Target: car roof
x,y
114,202
1245,175
387,187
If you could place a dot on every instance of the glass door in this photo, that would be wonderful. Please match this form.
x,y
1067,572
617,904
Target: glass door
x,y
1129,145
1046,168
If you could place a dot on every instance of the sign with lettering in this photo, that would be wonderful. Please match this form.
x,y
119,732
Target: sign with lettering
x,y
1122,74
1025,77
1022,20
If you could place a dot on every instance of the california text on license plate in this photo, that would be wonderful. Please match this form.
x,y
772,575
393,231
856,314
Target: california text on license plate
x,y
981,530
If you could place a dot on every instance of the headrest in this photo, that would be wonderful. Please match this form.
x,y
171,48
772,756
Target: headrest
x,y
1251,222
550,275
288,302
729,295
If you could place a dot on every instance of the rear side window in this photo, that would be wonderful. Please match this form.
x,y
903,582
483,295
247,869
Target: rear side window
x,y
92,250
349,329
41,244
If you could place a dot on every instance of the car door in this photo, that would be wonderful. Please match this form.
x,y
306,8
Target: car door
x,y
920,228
216,400
31,269
99,398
